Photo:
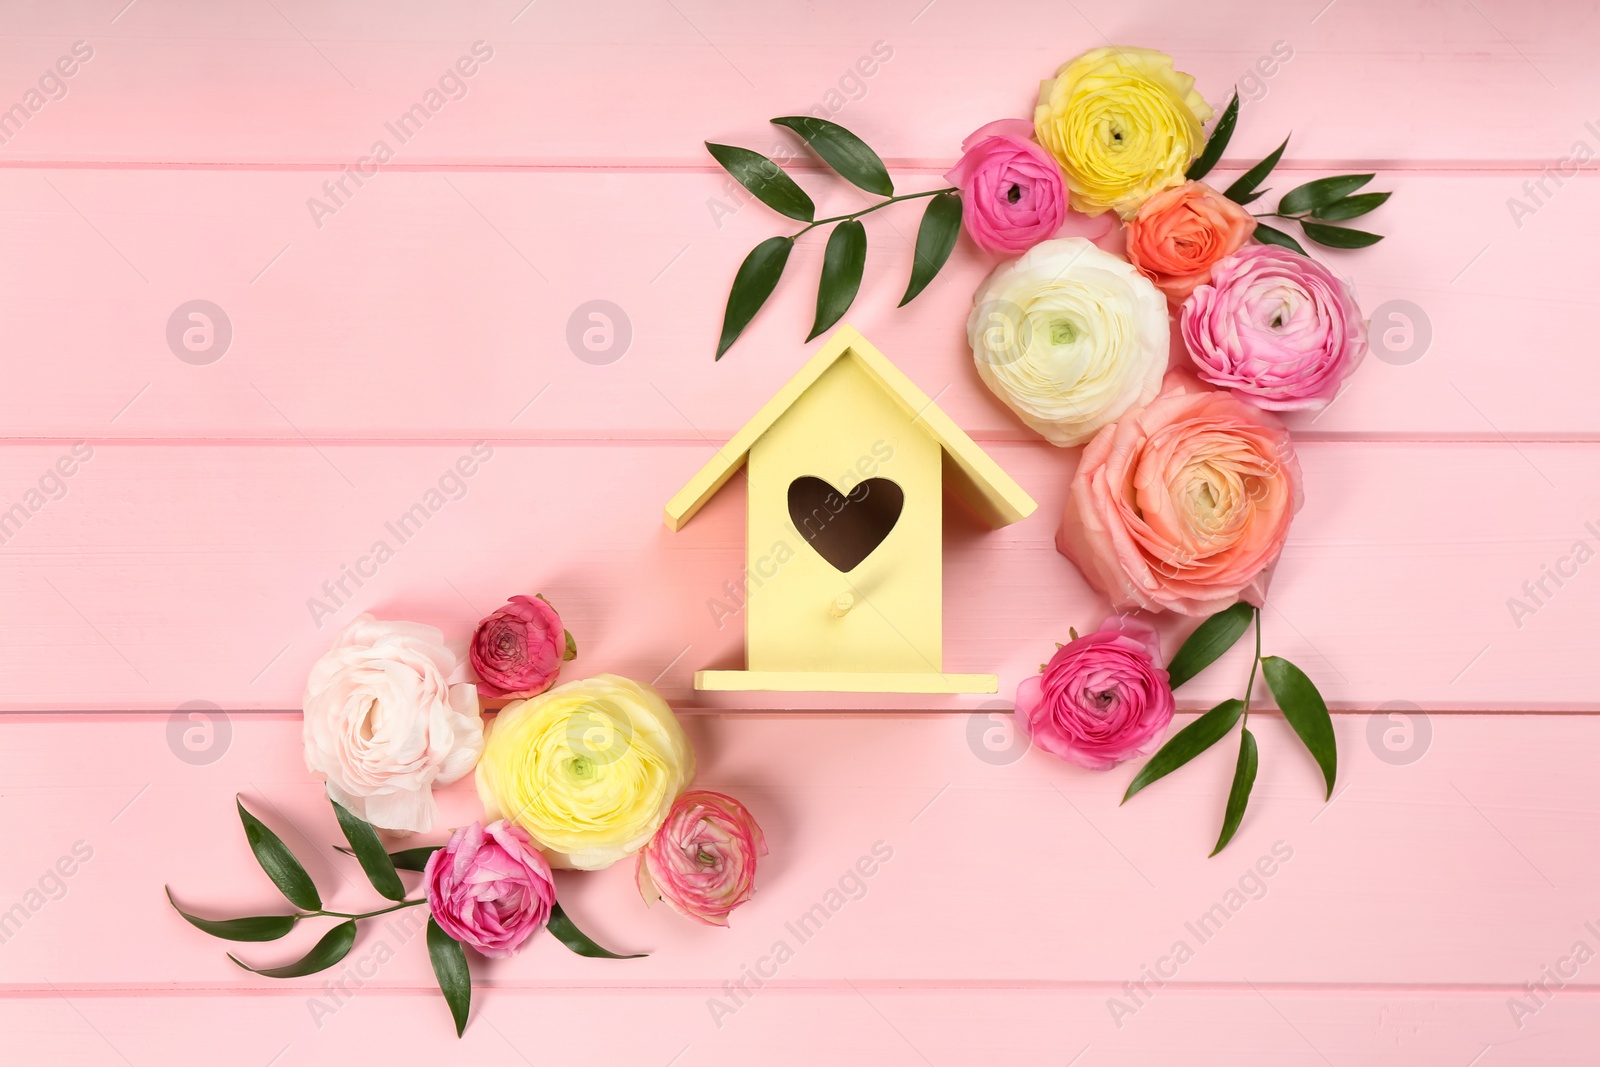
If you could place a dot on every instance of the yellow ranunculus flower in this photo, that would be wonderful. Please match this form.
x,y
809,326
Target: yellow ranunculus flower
x,y
590,769
1123,124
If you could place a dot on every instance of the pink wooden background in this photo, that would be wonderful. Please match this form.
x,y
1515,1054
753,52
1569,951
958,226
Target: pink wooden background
x,y
431,312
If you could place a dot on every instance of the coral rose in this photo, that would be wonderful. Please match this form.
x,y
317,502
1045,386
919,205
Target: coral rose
x,y
1278,329
702,861
1179,234
1184,504
1122,123
488,887
1101,699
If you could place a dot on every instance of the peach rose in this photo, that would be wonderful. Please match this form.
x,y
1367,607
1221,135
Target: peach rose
x,y
1180,233
1183,505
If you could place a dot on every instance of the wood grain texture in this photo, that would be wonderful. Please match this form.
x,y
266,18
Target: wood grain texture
x,y
170,573
644,83
1071,889
375,342
440,305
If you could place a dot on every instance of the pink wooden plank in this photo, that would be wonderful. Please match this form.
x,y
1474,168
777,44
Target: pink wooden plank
x,y
1237,1028
175,573
305,82
442,305
1445,875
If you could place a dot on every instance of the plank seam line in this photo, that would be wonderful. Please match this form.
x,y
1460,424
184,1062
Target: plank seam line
x,y
684,166
824,986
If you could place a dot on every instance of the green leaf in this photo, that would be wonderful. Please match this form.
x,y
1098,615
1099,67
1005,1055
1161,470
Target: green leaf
x,y
1338,236
578,941
843,151
450,968
758,276
1253,197
1221,133
936,238
842,264
1267,235
279,863
1246,183
1209,641
334,946
1323,191
1303,706
369,851
1244,777
407,859
571,651
413,859
1350,207
1187,743
253,928
765,179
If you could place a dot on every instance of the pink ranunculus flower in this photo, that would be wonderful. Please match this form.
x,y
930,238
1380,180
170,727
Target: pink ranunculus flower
x,y
1012,192
1183,505
488,887
702,861
1101,699
517,651
1276,328
384,724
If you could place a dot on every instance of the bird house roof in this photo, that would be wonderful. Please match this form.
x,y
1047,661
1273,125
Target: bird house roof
x,y
972,474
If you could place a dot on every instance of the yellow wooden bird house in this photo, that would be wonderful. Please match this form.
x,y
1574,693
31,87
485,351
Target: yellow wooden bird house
x,y
845,530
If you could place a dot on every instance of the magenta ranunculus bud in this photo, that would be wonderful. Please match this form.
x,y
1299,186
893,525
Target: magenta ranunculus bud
x,y
1101,699
1012,192
1275,328
702,861
517,651
488,887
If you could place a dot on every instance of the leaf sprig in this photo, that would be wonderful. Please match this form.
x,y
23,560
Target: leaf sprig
x,y
1302,706
280,864
844,259
1313,205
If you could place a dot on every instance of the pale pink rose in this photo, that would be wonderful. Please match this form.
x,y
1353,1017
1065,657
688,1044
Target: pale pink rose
x,y
1183,505
517,651
488,887
1101,699
1012,192
1179,234
702,861
1278,329
383,724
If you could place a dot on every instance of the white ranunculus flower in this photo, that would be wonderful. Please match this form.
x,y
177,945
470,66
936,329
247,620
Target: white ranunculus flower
x,y
1069,337
383,724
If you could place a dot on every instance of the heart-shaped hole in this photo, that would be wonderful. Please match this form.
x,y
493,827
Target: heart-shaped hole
x,y
844,528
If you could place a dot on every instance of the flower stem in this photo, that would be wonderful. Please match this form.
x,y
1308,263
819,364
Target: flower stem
x,y
870,210
368,914
1250,685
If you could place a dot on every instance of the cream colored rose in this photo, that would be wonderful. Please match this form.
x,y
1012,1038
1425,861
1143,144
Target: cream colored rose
x,y
590,769
1123,124
383,725
1069,337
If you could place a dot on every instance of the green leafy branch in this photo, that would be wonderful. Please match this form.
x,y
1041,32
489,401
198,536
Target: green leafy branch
x,y
844,259
289,875
1313,205
1302,706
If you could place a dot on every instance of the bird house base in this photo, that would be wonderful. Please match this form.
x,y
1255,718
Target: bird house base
x,y
843,682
